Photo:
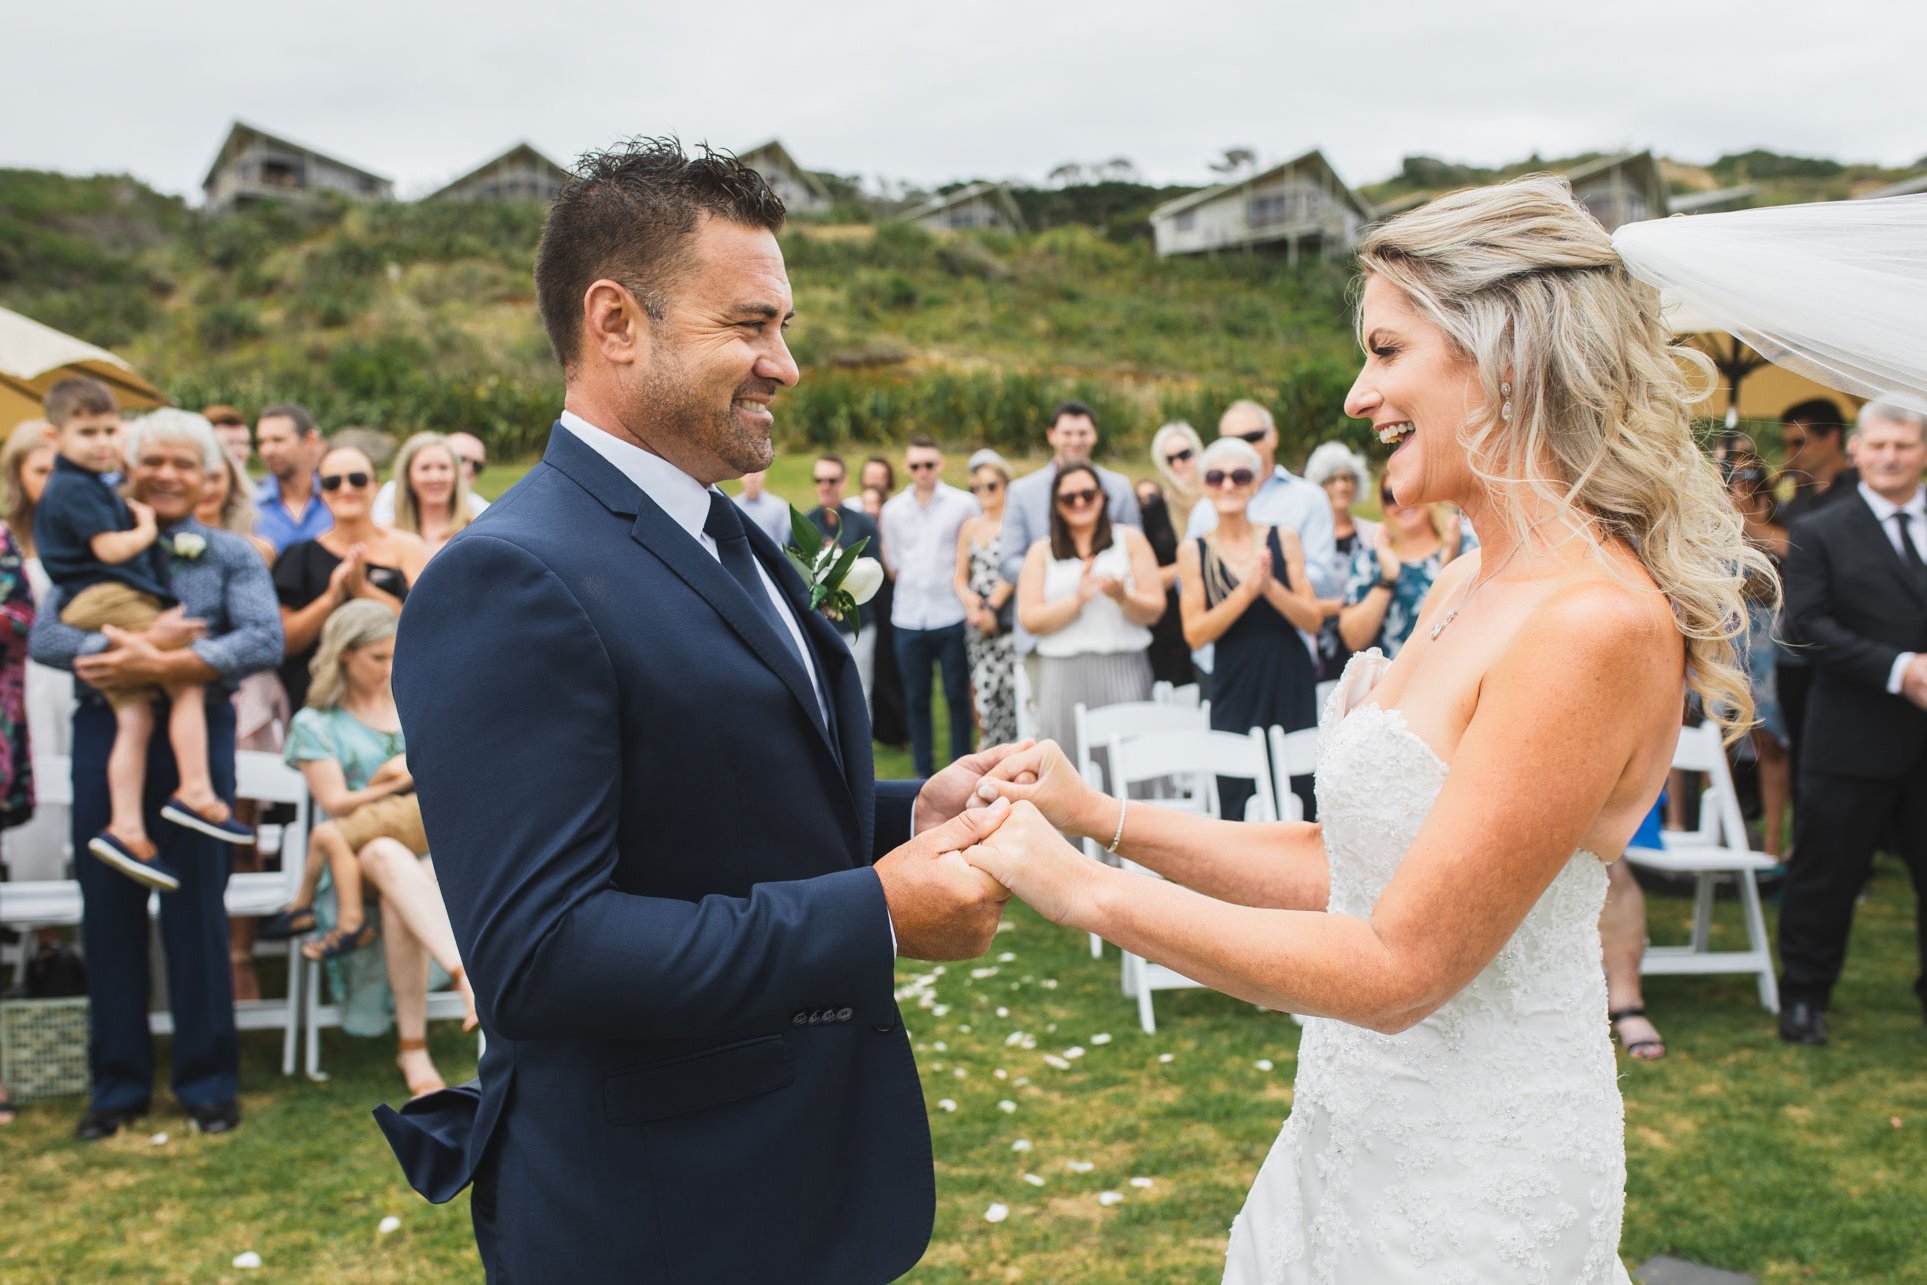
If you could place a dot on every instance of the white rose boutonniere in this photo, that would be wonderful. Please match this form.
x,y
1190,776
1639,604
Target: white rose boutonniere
x,y
187,545
839,581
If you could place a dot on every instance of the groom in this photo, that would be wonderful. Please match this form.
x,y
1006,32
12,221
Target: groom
x,y
645,768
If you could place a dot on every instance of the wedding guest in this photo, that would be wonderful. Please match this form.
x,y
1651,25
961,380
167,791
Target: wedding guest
x,y
1283,500
1816,459
1088,594
920,550
227,619
354,558
1388,581
764,509
1245,590
432,500
1175,451
1622,945
847,525
288,502
16,755
1856,587
1343,473
989,602
889,720
232,428
1750,484
348,743
1170,657
469,453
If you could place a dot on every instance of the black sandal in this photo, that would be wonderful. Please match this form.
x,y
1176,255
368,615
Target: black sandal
x,y
1636,1049
338,943
294,921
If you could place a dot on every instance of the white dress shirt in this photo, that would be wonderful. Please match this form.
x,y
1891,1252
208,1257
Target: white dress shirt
x,y
686,501
1916,511
383,509
920,544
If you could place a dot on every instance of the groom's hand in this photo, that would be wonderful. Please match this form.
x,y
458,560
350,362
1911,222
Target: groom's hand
x,y
951,791
941,906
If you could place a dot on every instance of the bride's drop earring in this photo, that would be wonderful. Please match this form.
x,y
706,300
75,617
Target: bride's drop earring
x,y
1505,408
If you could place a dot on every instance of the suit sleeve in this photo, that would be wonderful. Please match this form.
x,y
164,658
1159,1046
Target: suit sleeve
x,y
1809,589
894,801
522,806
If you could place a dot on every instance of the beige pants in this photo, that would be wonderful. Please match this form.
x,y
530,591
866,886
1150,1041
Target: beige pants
x,y
113,603
398,817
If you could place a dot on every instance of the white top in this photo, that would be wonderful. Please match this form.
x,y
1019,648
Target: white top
x,y
1916,511
770,513
383,509
686,501
1100,629
920,545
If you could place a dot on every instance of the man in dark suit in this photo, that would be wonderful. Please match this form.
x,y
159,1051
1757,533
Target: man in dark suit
x,y
846,525
1856,586
677,888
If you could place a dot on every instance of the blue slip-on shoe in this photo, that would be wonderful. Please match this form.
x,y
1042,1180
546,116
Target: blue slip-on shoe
x,y
227,829
147,870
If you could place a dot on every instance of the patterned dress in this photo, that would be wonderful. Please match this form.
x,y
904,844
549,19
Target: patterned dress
x,y
993,657
16,621
1415,580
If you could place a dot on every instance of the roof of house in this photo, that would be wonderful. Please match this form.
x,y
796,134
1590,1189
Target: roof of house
x,y
241,132
493,161
970,192
775,148
1694,202
1906,187
1182,203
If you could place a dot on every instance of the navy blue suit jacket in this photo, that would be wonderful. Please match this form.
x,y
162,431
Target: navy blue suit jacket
x,y
658,871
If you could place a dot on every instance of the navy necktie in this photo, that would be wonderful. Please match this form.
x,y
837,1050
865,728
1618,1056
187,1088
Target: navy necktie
x,y
725,526
1909,551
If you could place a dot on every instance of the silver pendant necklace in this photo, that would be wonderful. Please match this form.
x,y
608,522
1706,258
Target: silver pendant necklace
x,y
1477,585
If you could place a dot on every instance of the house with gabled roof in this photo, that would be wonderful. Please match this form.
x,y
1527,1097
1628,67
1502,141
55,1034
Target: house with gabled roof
x,y
1301,207
519,174
254,165
1621,189
799,189
975,205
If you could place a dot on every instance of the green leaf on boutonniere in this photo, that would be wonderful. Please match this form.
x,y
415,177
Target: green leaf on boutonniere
x,y
809,541
841,568
803,568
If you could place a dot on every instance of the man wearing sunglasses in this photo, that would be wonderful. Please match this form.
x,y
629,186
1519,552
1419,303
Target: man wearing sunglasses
x,y
846,524
1073,439
1283,499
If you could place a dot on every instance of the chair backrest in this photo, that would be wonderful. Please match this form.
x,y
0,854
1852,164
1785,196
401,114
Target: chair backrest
x,y
1722,824
1322,691
1292,754
1096,727
1153,755
53,780
266,778
1190,695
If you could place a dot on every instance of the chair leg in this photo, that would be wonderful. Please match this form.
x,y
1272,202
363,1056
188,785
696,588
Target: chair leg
x,y
1097,946
1145,1017
292,1018
1756,941
311,989
1702,913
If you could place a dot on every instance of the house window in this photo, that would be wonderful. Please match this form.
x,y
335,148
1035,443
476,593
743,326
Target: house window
x,y
1263,211
1186,220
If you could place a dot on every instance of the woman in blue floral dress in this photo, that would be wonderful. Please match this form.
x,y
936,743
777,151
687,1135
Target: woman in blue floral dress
x,y
1389,580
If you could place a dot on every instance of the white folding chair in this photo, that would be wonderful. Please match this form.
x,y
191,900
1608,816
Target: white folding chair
x,y
1161,754
1095,727
1713,854
1321,691
32,903
1165,694
1292,754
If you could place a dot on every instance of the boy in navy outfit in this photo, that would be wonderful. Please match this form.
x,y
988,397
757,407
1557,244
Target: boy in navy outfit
x,y
103,552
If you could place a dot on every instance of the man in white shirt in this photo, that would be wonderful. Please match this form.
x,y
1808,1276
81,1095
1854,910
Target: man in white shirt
x,y
764,509
1283,499
474,456
920,526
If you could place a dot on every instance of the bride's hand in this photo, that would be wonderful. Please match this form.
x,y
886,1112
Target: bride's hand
x,y
1028,856
1042,776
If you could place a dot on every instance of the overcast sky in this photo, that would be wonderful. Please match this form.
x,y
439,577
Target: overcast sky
x,y
422,91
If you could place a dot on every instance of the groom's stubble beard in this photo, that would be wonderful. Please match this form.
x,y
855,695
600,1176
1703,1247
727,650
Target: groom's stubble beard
x,y
675,403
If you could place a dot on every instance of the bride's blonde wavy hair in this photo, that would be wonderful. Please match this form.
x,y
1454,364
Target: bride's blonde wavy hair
x,y
1522,279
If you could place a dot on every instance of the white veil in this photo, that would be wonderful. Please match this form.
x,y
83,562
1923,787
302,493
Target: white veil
x,y
1836,291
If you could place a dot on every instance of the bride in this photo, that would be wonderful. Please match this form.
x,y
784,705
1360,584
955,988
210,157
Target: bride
x,y
1456,1116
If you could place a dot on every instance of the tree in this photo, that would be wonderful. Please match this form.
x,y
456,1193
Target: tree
x,y
1069,174
1236,160
1119,169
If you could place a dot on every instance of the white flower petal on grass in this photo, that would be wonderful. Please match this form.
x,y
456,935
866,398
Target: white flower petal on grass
x,y
1001,1074
1006,957
940,1010
1013,1039
1050,1028
1003,1012
1263,1064
1079,1166
946,1104
1033,1180
1102,1037
388,1224
1165,1057
981,973
1074,1052
159,1139
1006,926
941,1047
1051,1059
1109,1197
1049,983
997,1212
1022,1144
1006,1106
938,971
249,1259
1140,1182
1021,1081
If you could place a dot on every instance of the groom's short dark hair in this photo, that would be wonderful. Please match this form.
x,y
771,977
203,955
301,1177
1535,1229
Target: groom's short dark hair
x,y
625,215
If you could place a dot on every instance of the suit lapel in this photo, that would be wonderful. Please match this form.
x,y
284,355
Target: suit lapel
x,y
1873,531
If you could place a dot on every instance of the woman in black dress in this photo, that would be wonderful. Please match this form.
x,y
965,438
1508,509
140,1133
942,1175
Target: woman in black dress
x,y
1170,656
1244,589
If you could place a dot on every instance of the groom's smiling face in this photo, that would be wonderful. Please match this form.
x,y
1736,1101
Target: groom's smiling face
x,y
717,357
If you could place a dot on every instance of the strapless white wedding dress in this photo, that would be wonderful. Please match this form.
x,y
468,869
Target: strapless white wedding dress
x,y
1486,1144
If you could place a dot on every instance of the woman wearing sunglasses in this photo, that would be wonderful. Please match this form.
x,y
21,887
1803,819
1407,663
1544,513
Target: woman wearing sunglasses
x,y
1089,594
357,559
1245,589
987,599
1390,578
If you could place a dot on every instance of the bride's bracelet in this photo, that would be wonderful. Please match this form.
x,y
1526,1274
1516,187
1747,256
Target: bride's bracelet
x,y
1123,806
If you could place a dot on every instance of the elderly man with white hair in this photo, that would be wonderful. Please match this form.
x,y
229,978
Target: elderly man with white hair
x,y
227,626
1856,587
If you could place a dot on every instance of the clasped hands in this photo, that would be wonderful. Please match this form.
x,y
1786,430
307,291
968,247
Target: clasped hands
x,y
987,827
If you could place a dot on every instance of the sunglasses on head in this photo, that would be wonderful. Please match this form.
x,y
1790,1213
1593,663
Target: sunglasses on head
x,y
1072,499
918,466
1179,457
1254,437
354,481
1237,477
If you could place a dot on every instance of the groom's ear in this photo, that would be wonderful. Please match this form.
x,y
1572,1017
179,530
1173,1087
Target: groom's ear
x,y
615,324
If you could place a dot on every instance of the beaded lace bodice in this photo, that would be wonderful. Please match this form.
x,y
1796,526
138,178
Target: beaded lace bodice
x,y
1486,1142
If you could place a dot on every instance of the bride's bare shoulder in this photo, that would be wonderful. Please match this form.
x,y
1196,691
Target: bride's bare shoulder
x,y
1605,612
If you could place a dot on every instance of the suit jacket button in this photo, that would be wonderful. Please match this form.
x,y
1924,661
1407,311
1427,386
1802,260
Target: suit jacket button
x,y
800,1019
884,1028
845,1014
816,1018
